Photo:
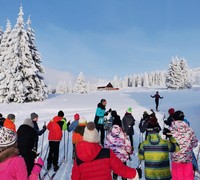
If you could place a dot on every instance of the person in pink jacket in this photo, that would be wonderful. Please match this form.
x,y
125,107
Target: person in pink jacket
x,y
182,168
12,166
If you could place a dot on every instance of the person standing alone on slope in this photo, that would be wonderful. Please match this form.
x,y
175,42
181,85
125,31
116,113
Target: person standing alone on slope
x,y
157,98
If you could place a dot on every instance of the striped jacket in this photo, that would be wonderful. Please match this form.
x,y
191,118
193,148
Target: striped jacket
x,y
155,152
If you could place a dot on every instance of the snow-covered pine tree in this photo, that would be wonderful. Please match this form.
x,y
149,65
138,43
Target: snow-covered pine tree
x,y
185,73
1,34
22,82
80,86
174,79
145,80
62,88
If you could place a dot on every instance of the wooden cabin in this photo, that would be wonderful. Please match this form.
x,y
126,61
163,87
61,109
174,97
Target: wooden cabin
x,y
108,87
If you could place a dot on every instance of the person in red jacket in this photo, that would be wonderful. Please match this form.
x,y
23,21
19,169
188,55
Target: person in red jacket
x,y
55,127
10,122
95,162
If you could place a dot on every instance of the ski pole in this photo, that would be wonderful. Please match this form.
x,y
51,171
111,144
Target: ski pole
x,y
64,146
42,140
198,154
67,145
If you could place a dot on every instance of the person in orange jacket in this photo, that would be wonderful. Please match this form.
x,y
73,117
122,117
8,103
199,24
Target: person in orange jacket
x,y
10,122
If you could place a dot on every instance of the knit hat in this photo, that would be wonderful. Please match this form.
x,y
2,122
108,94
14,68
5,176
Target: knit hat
x,y
29,122
33,116
91,134
61,114
7,138
82,121
76,116
129,110
153,121
11,116
171,111
178,115
113,113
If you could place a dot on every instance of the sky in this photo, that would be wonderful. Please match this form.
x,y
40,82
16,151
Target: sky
x,y
104,38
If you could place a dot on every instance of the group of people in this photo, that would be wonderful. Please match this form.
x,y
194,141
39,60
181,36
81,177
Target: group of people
x,y
100,151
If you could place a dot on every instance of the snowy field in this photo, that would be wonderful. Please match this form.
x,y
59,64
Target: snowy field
x,y
139,99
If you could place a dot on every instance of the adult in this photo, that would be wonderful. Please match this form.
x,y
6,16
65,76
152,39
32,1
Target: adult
x,y
95,162
12,166
157,98
26,140
2,119
55,127
182,168
10,122
34,118
99,118
128,123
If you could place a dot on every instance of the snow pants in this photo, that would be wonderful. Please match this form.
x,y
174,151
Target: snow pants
x,y
100,128
53,152
182,171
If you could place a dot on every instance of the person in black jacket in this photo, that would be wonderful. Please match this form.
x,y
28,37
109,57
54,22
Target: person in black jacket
x,y
34,118
169,120
149,123
2,119
128,122
157,98
26,138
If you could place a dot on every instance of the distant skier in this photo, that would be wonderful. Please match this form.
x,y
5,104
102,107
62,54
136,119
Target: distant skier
x,y
157,98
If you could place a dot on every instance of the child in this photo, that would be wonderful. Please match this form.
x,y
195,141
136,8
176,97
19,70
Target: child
x,y
128,122
10,122
119,143
155,152
12,166
182,168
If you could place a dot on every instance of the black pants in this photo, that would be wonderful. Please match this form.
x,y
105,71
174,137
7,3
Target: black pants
x,y
53,152
115,175
29,158
157,104
100,128
131,139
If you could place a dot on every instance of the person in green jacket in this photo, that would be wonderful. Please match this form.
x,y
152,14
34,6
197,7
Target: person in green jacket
x,y
155,152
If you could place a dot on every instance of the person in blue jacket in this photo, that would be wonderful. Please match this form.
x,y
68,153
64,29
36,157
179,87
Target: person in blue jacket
x,y
99,118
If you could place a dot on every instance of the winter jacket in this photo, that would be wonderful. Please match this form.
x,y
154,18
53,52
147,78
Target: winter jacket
x,y
73,126
128,122
169,120
95,162
2,121
13,167
26,136
186,139
147,126
155,152
117,121
157,97
38,132
100,113
55,127
77,135
119,143
9,124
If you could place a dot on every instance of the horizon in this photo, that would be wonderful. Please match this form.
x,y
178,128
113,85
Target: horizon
x,y
104,39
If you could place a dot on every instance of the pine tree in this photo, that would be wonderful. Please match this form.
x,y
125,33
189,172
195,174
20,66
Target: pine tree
x,y
1,34
80,86
62,88
23,82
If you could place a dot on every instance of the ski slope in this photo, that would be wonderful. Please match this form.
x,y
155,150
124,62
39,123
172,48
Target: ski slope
x,y
85,105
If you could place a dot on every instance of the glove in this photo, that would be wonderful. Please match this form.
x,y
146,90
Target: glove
x,y
139,171
44,127
68,124
167,132
109,110
37,166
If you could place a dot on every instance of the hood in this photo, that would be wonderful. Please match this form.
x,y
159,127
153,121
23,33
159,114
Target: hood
x,y
8,153
116,131
29,122
87,151
57,118
101,106
154,138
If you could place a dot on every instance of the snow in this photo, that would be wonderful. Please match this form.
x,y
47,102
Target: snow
x,y
85,104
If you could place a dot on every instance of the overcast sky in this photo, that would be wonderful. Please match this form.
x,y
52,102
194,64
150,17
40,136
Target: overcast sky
x,y
104,38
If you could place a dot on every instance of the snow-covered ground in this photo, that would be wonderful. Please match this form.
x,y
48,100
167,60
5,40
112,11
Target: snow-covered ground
x,y
85,104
